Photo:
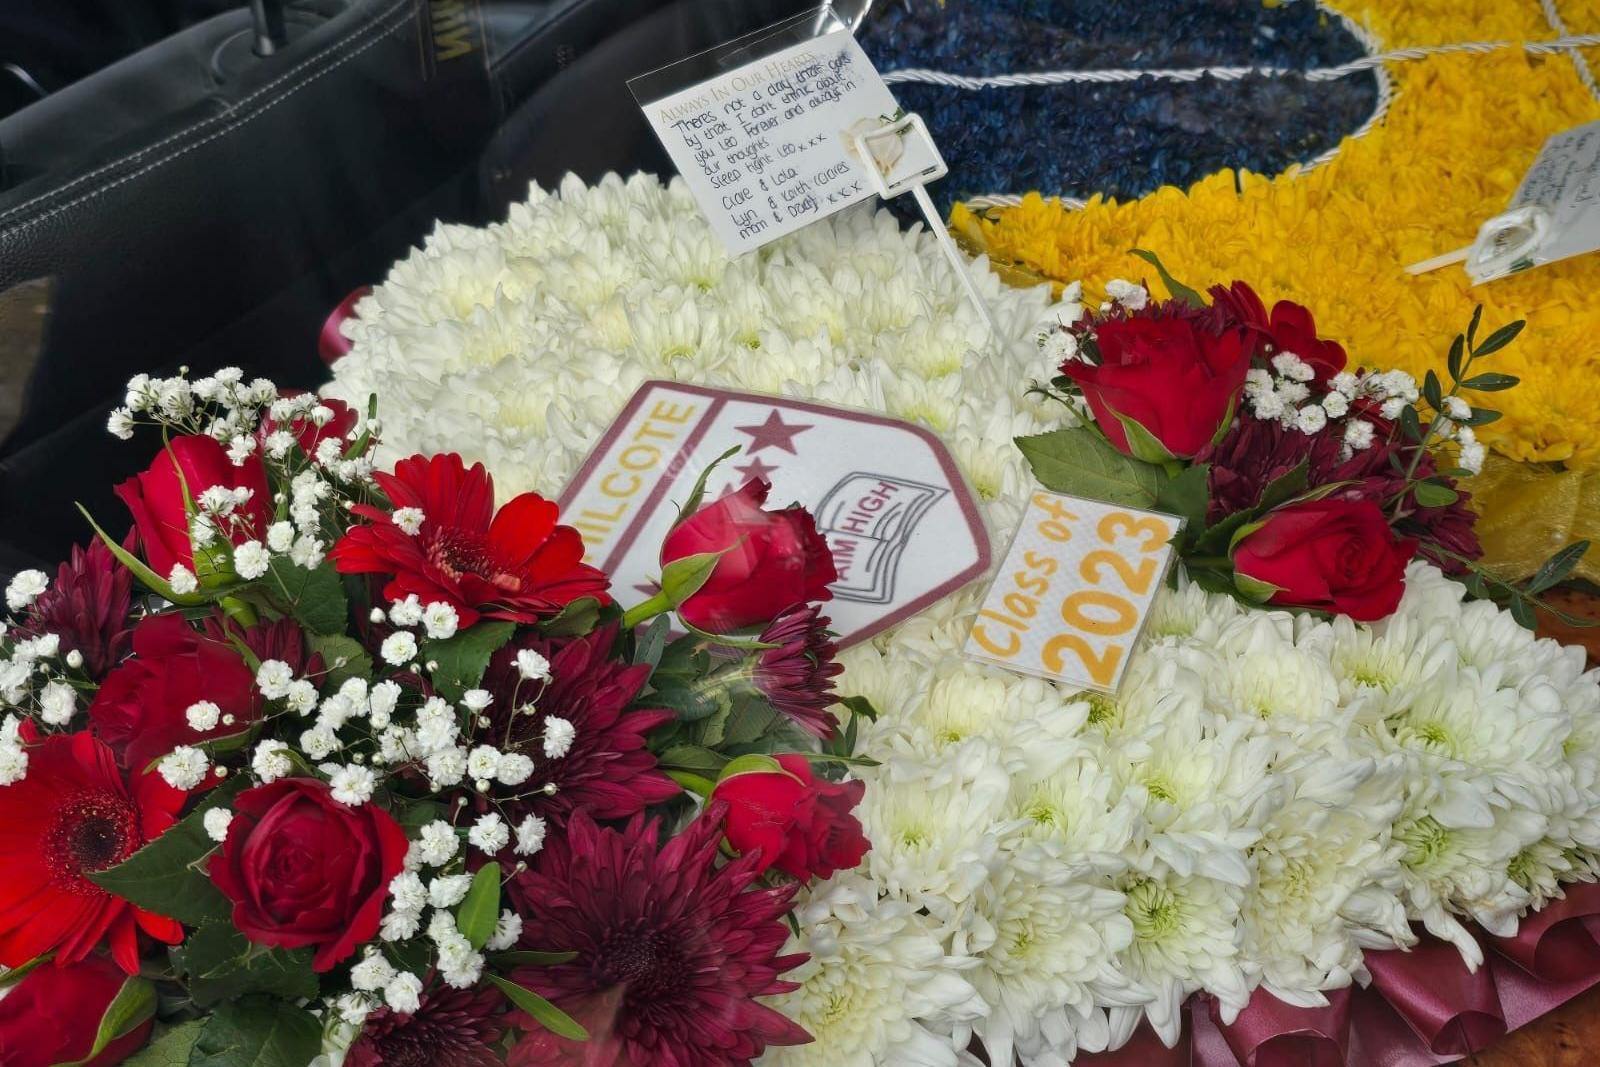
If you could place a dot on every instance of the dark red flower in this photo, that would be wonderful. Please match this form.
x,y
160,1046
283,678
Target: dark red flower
x,y
72,815
450,1028
141,710
303,869
1289,328
160,514
280,639
609,771
305,429
517,564
87,607
1332,555
772,560
673,950
53,1015
1170,374
798,823
797,674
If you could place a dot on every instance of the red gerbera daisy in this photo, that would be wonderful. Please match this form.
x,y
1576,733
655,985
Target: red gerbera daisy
x,y
72,815
672,949
87,607
608,771
450,1028
515,564
797,674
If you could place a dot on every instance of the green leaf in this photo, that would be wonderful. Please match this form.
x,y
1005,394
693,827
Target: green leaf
x,y
1472,327
1078,460
1522,613
753,763
163,876
334,648
1490,383
694,758
1500,338
480,908
698,493
692,704
1285,487
221,965
16,974
463,658
860,706
1432,392
1434,495
1186,496
315,598
1142,443
530,958
1178,290
1255,591
1482,417
149,578
134,1003
257,1032
653,641
749,721
544,1013
577,618
170,1049
1557,567
1453,362
683,577
1410,425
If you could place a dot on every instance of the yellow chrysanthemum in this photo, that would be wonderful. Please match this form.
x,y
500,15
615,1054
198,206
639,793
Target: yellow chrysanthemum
x,y
1459,135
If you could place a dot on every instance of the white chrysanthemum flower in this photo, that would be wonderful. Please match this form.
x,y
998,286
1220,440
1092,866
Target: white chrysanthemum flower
x,y
1046,947
933,844
1185,939
877,990
1190,612
1068,805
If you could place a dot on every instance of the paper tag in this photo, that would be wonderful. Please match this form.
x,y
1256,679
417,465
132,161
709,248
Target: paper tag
x,y
1555,213
765,146
903,526
1072,595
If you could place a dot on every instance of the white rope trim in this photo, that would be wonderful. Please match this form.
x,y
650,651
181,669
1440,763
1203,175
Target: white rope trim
x,y
1553,16
1316,74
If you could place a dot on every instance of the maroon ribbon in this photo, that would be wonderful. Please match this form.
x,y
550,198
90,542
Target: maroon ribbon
x,y
1423,1008
331,342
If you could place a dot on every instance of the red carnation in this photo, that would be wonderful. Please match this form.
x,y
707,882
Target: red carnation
x,y
515,564
141,710
450,1028
303,869
772,560
72,815
673,949
609,771
53,1015
161,515
797,673
87,607
798,823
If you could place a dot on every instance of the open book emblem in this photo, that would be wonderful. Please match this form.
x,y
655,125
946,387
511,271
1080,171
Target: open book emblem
x,y
904,528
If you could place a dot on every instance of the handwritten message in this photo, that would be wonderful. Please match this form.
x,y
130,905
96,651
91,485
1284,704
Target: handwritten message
x,y
765,147
1072,595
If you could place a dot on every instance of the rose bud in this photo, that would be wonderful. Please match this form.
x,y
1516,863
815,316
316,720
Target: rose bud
x,y
801,824
160,515
1330,555
54,1013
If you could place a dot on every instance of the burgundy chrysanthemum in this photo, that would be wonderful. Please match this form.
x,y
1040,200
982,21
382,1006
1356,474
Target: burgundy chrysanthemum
x,y
797,675
608,771
87,606
672,949
1256,452
450,1028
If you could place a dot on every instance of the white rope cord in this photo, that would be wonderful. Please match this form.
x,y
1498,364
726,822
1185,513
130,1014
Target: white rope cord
x,y
1553,16
923,75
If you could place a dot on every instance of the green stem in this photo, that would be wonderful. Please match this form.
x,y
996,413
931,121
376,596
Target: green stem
x,y
239,611
1210,562
649,609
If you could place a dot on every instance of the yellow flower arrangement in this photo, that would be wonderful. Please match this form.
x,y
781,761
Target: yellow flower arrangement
x,y
1460,133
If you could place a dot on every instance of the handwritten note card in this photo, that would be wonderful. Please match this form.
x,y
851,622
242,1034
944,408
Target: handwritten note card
x,y
1565,182
765,146
1071,597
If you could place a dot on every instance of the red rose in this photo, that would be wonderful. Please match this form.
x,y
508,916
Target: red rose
x,y
774,560
141,710
1289,328
303,869
1332,555
514,564
1171,375
307,434
53,1014
801,824
156,499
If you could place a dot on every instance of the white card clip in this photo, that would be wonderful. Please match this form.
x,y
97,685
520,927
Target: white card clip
x,y
1505,244
879,149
